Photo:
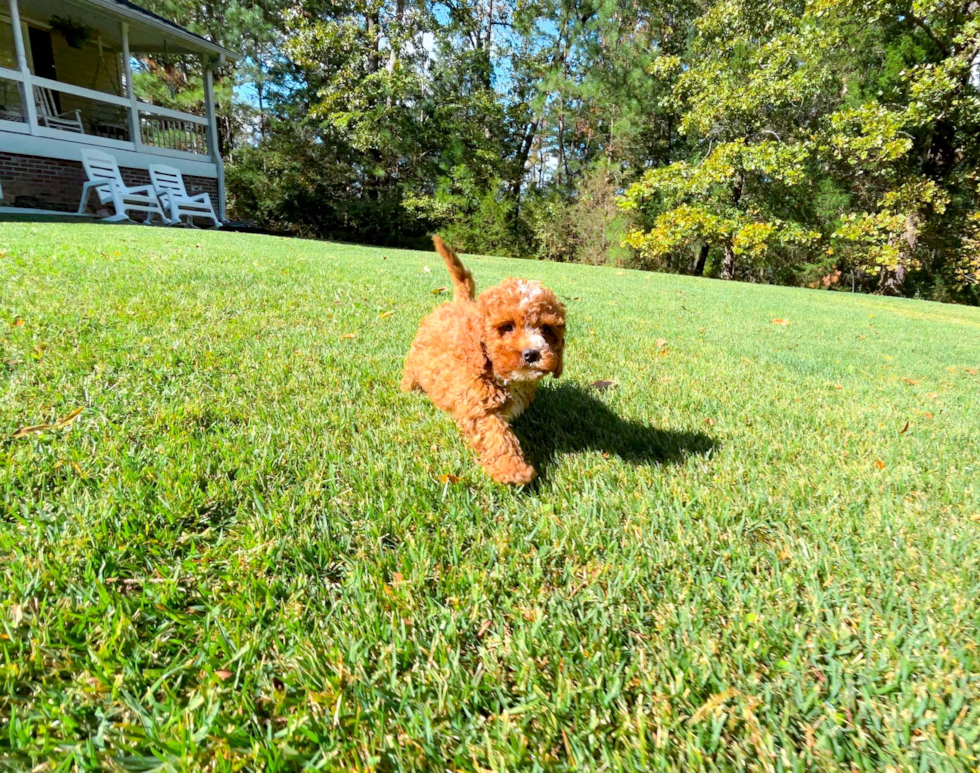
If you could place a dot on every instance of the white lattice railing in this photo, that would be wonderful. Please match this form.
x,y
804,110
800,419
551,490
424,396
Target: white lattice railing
x,y
106,119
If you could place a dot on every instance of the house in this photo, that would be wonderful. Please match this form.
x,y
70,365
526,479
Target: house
x,y
66,84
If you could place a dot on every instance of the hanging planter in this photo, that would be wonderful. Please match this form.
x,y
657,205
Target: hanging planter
x,y
75,34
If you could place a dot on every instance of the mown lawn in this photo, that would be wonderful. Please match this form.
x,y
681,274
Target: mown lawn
x,y
759,550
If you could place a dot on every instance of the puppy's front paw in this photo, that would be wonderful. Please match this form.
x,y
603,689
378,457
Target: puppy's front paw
x,y
513,475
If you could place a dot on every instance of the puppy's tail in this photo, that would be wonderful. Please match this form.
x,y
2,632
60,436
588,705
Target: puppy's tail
x,y
463,286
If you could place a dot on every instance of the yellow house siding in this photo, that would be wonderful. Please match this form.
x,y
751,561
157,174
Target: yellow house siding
x,y
87,66
7,57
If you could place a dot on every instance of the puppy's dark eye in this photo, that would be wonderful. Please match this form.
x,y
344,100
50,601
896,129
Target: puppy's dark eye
x,y
507,327
546,330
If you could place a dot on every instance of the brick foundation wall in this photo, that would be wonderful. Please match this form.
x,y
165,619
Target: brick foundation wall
x,y
57,184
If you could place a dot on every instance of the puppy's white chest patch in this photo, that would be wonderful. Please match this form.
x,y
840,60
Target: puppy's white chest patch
x,y
519,398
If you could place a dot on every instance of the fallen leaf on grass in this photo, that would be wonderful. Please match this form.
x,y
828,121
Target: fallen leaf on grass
x,y
67,421
602,386
18,323
447,478
223,674
348,335
661,343
28,430
711,704
879,464
483,629
910,381
971,371
904,429
70,418
397,578
426,269
927,415
780,322
440,290
386,314
710,422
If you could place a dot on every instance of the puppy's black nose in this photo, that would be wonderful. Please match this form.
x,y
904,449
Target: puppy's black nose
x,y
531,356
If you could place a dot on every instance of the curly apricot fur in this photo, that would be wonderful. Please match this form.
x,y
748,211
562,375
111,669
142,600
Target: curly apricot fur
x,y
479,359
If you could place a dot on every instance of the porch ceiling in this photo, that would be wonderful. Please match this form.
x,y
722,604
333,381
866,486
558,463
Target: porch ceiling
x,y
148,33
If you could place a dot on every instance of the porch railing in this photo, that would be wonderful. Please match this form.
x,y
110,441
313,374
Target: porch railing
x,y
102,119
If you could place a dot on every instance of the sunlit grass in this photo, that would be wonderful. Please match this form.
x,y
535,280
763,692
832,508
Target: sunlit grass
x,y
759,549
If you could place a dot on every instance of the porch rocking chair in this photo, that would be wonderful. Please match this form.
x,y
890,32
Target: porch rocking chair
x,y
104,177
169,186
47,113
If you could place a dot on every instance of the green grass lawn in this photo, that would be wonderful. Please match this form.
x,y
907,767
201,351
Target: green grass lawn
x,y
760,549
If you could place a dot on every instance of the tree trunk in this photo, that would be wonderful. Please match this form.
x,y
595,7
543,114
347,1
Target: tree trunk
x,y
374,52
728,264
891,280
702,258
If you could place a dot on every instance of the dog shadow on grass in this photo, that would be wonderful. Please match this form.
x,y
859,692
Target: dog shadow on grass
x,y
569,419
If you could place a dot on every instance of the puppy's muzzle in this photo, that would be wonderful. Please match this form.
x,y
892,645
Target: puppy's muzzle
x,y
531,356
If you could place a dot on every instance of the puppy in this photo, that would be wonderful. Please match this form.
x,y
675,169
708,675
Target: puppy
x,y
480,359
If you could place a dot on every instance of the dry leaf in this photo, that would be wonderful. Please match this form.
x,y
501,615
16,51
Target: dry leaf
x,y
661,343
440,290
904,429
710,422
712,703
18,323
971,371
16,614
838,386
28,430
70,418
780,322
879,464
348,335
447,478
397,578
784,555
928,415
223,674
483,629
602,386
386,314
910,381
426,269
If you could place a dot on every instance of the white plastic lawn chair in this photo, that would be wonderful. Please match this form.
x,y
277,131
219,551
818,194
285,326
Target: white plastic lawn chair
x,y
47,113
169,186
105,179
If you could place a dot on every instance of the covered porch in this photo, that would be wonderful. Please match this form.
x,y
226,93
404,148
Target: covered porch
x,y
66,82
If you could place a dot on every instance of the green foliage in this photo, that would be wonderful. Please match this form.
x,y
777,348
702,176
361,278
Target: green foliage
x,y
794,139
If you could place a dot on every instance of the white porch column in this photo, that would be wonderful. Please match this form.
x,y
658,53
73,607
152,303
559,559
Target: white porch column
x,y
212,133
27,85
134,110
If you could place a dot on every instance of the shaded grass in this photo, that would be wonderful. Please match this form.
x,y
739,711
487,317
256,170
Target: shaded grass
x,y
242,552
